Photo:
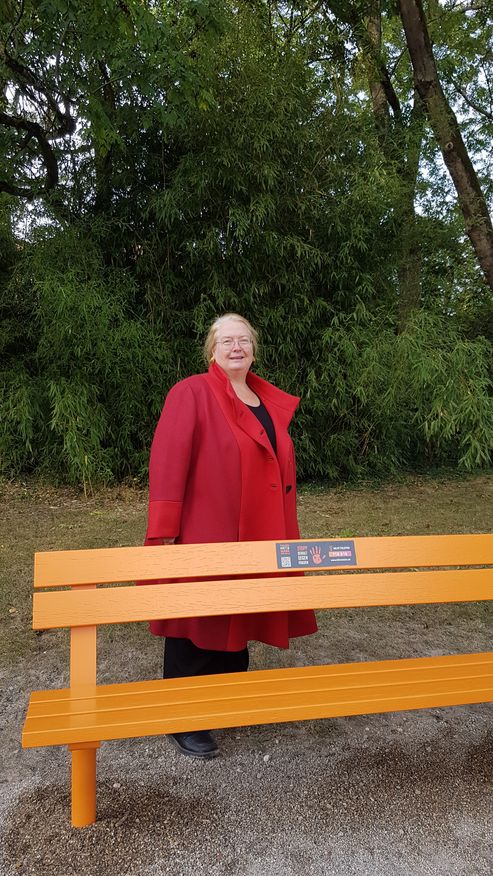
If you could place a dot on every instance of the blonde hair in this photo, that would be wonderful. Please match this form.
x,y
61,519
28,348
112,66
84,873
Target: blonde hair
x,y
210,341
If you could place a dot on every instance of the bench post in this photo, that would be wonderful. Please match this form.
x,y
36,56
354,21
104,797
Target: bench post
x,y
83,783
83,661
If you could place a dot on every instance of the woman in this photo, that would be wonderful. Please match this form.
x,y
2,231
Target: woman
x,y
222,468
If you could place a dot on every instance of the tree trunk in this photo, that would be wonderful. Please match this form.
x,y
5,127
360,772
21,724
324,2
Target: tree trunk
x,y
409,264
447,132
400,142
410,256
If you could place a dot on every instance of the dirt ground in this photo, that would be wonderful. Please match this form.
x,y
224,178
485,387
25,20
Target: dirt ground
x,y
410,793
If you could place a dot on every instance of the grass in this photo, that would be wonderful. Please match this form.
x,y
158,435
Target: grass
x,y
36,517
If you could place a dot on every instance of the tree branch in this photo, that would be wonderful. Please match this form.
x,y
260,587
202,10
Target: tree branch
x,y
447,131
16,23
10,189
50,162
472,103
27,80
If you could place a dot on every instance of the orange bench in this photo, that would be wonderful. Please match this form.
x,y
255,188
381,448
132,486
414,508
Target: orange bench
x,y
359,572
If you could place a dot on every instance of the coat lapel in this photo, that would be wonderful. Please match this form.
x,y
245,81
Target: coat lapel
x,y
280,405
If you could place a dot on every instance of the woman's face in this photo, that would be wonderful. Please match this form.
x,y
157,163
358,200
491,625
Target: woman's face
x,y
233,350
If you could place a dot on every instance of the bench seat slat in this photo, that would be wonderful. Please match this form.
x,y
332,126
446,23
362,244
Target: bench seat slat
x,y
118,565
261,697
199,599
46,702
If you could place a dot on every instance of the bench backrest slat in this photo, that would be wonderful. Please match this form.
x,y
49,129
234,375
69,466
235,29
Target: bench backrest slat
x,y
118,565
197,599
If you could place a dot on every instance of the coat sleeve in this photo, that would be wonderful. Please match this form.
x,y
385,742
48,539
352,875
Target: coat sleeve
x,y
171,454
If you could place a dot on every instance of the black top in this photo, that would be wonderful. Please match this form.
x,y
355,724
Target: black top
x,y
265,419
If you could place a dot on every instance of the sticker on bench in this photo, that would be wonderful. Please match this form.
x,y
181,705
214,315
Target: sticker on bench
x,y
310,555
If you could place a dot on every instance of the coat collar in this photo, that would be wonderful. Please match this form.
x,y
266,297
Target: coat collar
x,y
285,404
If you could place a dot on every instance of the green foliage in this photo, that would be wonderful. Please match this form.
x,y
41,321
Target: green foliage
x,y
79,396
84,404
377,401
224,159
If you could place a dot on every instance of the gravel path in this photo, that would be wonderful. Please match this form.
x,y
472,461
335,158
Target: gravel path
x,y
409,793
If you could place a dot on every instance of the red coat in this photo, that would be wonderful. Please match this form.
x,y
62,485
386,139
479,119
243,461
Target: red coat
x,y
213,477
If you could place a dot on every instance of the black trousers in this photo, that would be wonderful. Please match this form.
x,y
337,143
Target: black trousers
x,y
182,658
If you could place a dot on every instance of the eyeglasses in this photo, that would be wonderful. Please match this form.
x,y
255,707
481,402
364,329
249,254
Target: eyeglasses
x,y
228,343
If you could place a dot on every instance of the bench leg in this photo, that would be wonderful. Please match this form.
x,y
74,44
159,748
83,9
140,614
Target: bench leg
x,y
83,783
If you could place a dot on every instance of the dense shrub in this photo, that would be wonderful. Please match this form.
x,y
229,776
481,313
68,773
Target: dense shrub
x,y
84,376
376,401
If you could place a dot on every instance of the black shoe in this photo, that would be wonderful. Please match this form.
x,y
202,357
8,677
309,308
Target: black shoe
x,y
198,743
